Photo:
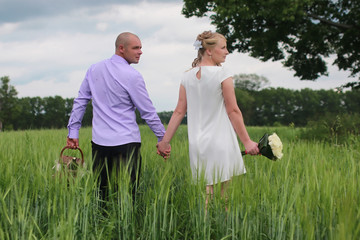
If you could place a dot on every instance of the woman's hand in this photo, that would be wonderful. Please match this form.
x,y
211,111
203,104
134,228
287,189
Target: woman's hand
x,y
163,149
251,147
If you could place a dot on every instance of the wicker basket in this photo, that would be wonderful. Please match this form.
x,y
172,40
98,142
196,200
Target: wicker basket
x,y
68,163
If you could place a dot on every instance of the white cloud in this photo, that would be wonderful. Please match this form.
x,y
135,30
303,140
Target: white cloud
x,y
49,55
49,86
8,28
101,26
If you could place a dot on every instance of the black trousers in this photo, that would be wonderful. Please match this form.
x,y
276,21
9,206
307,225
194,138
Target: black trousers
x,y
110,161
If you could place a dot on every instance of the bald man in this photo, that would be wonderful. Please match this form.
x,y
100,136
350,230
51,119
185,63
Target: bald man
x,y
116,90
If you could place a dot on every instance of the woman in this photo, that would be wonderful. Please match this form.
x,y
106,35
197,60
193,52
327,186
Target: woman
x,y
213,116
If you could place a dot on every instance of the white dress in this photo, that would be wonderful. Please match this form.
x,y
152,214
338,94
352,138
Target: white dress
x,y
213,145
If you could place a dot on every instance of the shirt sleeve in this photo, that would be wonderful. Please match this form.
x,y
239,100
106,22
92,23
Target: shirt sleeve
x,y
79,108
182,80
224,74
142,102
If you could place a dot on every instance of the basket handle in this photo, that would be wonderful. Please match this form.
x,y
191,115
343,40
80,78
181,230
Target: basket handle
x,y
67,147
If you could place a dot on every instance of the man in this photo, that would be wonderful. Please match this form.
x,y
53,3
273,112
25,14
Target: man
x,y
116,90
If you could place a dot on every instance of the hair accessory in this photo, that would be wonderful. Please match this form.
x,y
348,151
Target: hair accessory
x,y
197,45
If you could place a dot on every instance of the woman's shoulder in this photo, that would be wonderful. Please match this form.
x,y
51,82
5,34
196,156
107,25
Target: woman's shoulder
x,y
218,70
224,70
214,68
187,74
191,69
221,73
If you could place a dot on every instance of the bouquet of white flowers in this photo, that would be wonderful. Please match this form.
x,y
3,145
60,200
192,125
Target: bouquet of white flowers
x,y
270,147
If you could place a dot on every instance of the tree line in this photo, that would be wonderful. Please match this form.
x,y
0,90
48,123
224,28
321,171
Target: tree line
x,y
280,106
264,106
260,106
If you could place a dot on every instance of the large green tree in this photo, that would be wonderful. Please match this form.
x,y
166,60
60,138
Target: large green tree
x,y
300,33
245,86
8,107
250,82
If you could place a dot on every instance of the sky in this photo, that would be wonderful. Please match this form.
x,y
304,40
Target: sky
x,y
46,47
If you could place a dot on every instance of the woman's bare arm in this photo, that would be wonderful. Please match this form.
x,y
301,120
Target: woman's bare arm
x,y
236,117
176,118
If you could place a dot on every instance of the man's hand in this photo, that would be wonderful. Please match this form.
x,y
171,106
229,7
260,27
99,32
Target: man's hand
x,y
72,142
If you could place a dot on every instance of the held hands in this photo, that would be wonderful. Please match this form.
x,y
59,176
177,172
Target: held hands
x,y
163,149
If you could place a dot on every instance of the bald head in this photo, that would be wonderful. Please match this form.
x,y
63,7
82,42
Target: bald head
x,y
123,39
128,46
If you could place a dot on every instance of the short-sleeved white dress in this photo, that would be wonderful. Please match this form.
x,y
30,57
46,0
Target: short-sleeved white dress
x,y
213,146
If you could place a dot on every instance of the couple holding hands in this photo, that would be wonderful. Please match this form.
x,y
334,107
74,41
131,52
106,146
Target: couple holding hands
x,y
206,95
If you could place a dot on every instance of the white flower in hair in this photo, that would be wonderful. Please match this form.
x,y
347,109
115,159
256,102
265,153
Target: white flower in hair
x,y
197,45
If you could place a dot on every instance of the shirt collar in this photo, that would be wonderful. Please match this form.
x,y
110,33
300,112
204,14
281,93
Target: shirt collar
x,y
118,58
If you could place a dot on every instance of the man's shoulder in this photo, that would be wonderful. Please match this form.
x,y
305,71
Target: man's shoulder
x,y
111,63
98,64
131,69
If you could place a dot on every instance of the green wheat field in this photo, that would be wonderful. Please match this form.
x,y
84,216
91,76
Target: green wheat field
x,y
313,192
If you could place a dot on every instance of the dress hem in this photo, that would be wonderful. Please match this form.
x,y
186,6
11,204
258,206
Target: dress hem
x,y
226,180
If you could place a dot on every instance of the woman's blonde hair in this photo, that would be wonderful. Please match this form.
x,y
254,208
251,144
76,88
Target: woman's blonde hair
x,y
208,40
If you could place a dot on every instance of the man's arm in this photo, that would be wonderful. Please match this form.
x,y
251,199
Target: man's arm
x,y
77,113
143,103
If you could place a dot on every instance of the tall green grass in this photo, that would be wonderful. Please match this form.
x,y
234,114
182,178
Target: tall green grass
x,y
312,193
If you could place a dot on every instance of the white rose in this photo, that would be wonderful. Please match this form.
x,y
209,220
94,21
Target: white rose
x,y
276,145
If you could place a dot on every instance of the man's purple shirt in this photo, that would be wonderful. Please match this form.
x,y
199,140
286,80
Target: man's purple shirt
x,y
116,90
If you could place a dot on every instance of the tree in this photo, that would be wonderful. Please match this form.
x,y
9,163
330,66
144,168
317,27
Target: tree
x,y
37,104
245,87
274,106
301,33
88,116
250,82
245,100
28,118
8,105
351,101
55,112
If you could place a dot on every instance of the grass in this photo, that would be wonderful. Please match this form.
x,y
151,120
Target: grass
x,y
312,193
